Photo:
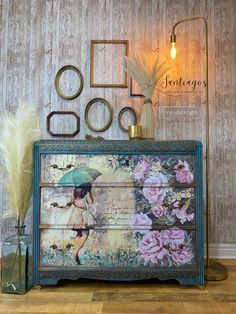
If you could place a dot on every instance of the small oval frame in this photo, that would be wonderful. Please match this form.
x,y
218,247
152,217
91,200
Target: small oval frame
x,y
88,107
123,110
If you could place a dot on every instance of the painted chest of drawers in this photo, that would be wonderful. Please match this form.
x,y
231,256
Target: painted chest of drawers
x,y
118,210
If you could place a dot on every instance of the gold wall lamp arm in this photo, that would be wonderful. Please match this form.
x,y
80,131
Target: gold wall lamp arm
x,y
213,270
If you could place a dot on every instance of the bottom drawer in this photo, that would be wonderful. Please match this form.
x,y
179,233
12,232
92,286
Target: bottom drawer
x,y
167,248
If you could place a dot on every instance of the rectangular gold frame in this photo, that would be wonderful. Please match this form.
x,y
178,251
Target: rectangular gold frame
x,y
113,42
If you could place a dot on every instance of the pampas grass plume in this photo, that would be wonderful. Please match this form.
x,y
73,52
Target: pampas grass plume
x,y
146,71
18,133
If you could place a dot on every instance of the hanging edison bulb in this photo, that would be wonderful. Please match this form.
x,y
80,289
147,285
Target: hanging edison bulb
x,y
173,50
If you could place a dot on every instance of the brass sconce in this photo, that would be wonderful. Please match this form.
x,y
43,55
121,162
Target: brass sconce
x,y
213,270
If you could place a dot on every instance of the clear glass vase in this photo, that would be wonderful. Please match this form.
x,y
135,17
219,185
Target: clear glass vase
x,y
17,263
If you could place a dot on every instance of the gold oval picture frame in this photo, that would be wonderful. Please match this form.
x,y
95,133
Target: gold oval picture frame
x,y
123,110
57,79
86,114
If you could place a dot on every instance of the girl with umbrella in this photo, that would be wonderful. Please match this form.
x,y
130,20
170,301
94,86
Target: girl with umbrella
x,y
82,201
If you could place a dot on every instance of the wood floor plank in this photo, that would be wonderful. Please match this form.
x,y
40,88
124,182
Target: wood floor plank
x,y
228,262
143,307
167,297
50,307
232,274
225,286
52,296
202,307
227,308
224,297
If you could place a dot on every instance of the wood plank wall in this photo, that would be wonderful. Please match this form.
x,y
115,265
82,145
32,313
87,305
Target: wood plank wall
x,y
37,37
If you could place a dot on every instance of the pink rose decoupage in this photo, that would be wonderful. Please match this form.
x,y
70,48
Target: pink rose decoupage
x,y
160,201
159,193
131,197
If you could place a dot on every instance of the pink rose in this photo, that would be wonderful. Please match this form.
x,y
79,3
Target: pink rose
x,y
153,188
173,236
183,173
182,256
158,210
140,223
141,170
182,164
151,247
180,212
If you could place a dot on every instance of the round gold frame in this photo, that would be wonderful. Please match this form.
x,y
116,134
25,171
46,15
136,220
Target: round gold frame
x,y
57,78
121,115
88,107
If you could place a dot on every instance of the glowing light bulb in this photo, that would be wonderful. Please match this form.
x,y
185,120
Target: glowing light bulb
x,y
173,50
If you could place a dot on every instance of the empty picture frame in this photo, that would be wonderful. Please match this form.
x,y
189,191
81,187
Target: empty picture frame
x,y
99,102
120,118
63,114
107,64
73,77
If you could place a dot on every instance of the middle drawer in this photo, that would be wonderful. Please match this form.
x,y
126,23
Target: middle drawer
x,y
120,205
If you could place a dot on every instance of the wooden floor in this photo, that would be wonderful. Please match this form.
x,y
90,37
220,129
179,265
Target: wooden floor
x,y
85,297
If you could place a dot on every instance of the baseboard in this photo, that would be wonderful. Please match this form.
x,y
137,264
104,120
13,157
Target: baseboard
x,y
222,251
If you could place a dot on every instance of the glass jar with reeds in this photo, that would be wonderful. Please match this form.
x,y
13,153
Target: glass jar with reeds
x,y
19,131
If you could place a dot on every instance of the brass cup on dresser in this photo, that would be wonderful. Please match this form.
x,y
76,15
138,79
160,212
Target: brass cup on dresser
x,y
135,132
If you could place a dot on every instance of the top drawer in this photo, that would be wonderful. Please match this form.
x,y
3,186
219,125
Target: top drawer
x,y
154,170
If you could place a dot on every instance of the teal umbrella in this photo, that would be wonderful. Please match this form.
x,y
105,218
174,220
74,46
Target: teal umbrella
x,y
79,176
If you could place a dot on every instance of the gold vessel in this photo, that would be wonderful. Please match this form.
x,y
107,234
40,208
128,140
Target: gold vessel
x,y
135,132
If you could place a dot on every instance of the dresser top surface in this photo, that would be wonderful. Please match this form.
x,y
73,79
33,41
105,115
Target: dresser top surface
x,y
117,145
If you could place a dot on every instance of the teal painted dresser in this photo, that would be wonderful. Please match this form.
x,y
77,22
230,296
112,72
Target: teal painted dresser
x,y
118,210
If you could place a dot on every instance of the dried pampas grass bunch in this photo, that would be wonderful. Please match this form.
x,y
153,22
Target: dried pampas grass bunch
x,y
146,71
18,133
